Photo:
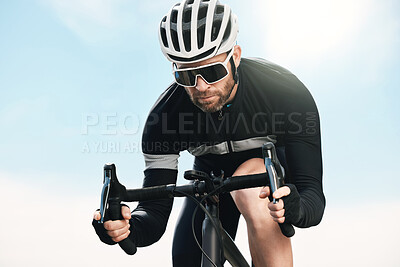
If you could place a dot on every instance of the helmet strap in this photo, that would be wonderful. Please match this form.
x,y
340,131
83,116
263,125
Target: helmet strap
x,y
234,71
235,75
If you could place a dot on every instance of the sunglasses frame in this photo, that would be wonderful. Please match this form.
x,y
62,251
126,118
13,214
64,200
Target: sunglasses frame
x,y
224,64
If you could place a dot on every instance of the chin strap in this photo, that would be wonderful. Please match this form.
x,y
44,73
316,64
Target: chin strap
x,y
235,75
234,71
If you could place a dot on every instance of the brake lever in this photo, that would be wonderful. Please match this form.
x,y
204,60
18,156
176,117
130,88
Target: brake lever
x,y
113,192
104,196
276,174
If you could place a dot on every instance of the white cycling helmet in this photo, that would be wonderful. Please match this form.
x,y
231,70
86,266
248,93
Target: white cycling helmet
x,y
195,30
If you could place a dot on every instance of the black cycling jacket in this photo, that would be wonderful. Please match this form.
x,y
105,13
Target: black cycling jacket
x,y
269,100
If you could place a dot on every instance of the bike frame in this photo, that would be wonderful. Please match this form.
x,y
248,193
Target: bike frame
x,y
211,242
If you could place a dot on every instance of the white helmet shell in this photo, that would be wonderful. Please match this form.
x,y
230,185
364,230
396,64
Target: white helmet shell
x,y
195,30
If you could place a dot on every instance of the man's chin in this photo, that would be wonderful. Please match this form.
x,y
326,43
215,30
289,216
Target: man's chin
x,y
209,108
214,104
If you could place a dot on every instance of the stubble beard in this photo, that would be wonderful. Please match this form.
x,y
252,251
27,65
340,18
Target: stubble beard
x,y
216,105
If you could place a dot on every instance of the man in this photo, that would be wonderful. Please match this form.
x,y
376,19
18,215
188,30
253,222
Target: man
x,y
222,108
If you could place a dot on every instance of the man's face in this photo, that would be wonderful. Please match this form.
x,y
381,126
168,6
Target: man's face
x,y
210,97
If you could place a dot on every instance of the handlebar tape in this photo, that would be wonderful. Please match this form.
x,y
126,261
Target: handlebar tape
x,y
127,244
287,229
150,193
246,181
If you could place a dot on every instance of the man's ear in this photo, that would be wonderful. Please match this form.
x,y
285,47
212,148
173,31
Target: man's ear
x,y
237,55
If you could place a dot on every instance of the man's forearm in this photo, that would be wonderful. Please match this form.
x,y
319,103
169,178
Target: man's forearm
x,y
312,206
149,221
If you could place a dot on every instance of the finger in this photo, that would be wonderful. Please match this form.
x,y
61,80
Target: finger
x,y
281,192
115,225
121,237
279,220
277,214
119,232
126,212
264,192
275,207
96,215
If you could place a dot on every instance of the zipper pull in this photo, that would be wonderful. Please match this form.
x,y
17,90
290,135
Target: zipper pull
x,y
220,116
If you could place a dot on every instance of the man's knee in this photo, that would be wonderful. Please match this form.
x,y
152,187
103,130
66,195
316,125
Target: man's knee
x,y
251,166
247,200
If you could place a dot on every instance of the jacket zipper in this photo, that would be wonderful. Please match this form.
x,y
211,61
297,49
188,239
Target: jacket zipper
x,y
224,133
220,116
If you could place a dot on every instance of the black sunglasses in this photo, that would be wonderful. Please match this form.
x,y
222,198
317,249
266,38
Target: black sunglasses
x,y
211,73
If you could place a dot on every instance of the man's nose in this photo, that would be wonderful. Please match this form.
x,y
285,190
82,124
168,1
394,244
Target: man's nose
x,y
201,84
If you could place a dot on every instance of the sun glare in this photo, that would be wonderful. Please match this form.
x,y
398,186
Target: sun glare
x,y
310,28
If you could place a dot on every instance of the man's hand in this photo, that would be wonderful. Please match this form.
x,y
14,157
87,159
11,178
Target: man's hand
x,y
288,206
277,210
118,230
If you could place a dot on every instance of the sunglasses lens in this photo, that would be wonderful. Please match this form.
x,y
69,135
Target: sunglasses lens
x,y
214,73
185,78
211,74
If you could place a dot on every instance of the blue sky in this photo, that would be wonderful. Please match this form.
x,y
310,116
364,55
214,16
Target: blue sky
x,y
77,79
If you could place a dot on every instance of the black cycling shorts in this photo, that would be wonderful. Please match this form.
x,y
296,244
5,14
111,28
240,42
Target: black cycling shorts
x,y
185,251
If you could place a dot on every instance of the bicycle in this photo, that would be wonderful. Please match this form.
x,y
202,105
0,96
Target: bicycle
x,y
217,246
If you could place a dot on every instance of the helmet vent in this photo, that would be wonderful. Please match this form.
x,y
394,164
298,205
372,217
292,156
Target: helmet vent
x,y
163,33
174,16
220,9
227,31
215,29
200,36
186,39
187,15
202,12
174,38
202,55
190,2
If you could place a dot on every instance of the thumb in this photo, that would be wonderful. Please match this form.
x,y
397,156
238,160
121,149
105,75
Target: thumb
x,y
96,215
126,212
264,192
